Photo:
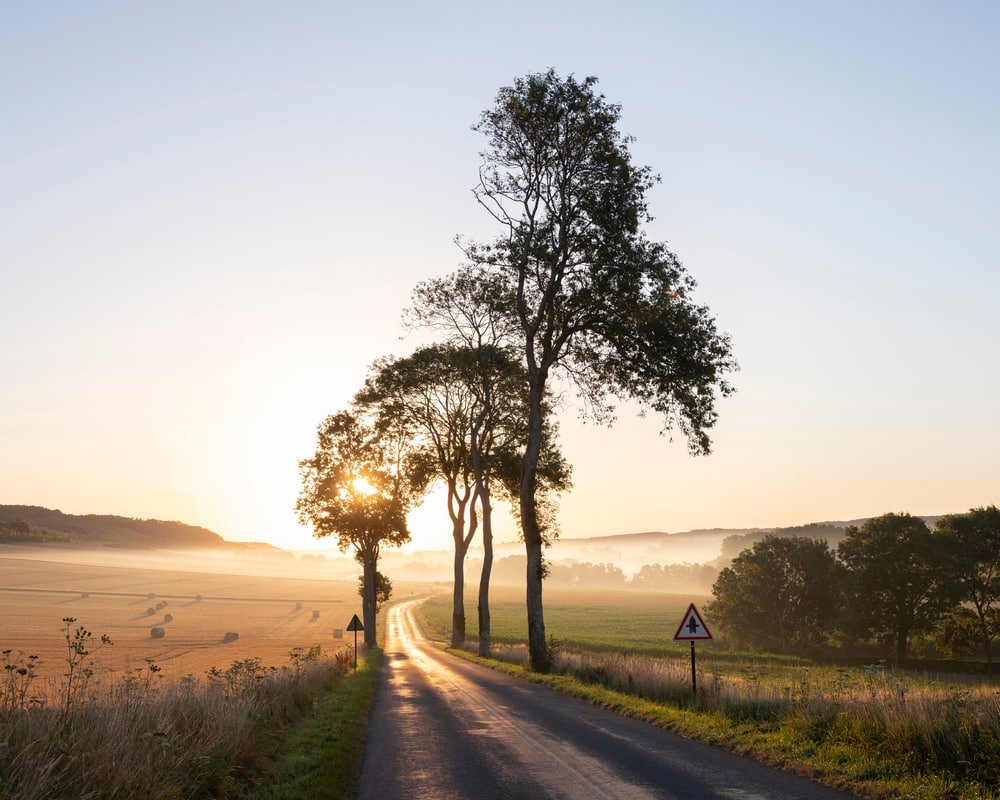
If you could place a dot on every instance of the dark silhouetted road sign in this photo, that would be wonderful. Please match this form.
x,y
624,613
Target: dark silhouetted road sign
x,y
355,625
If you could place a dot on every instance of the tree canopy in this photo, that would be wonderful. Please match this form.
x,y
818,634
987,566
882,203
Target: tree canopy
x,y
360,484
971,542
896,582
589,295
782,594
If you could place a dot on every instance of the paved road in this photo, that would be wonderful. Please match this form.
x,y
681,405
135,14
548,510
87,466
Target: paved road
x,y
443,728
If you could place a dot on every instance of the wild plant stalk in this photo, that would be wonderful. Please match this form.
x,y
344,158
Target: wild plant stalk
x,y
142,735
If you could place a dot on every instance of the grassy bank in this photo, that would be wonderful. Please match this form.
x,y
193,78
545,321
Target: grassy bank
x,y
881,734
320,758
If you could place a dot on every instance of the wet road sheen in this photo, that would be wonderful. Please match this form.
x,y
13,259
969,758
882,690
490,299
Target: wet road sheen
x,y
445,728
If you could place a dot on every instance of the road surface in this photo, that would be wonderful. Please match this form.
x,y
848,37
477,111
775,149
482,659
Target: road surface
x,y
443,728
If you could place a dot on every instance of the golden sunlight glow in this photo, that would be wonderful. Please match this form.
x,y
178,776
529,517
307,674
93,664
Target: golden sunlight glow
x,y
362,486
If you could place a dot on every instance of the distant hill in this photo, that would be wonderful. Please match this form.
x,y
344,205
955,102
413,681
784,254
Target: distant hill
x,y
36,524
630,551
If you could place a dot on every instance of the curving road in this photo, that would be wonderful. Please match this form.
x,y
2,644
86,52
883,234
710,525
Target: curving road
x,y
445,728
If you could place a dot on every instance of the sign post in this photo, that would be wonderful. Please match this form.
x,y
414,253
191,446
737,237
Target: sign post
x,y
355,625
691,629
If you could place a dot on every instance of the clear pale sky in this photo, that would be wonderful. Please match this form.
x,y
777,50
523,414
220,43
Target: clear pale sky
x,y
211,215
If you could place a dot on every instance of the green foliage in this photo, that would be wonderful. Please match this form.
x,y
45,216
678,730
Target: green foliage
x,y
897,581
358,486
587,294
590,292
781,594
383,589
366,475
971,543
958,632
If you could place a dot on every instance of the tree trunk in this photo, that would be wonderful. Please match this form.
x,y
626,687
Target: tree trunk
x,y
537,650
987,633
484,578
902,634
458,595
369,565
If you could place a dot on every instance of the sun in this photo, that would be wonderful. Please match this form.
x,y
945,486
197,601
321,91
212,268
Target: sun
x,y
362,486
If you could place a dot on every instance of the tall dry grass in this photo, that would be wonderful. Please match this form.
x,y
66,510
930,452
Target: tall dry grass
x,y
144,736
913,727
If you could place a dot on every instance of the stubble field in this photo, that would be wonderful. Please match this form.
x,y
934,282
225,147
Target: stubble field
x,y
272,615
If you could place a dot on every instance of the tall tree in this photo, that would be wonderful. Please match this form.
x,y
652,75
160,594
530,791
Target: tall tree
x,y
592,298
430,390
781,594
359,486
471,310
896,579
972,545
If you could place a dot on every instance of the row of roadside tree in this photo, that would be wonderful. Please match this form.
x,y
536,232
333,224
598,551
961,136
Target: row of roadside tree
x,y
569,297
889,580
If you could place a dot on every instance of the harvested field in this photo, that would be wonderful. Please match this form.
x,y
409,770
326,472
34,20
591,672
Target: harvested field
x,y
36,595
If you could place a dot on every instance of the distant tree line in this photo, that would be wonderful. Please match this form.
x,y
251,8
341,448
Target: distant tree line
x,y
889,580
36,523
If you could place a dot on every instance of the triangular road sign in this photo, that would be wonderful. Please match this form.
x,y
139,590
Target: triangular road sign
x,y
355,624
692,627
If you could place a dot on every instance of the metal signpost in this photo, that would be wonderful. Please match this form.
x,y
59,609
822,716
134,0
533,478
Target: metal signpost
x,y
691,629
355,625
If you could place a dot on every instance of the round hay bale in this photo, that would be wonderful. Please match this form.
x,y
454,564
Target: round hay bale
x,y
168,617
338,633
315,613
160,605
157,633
151,595
230,636
150,612
84,595
298,606
198,598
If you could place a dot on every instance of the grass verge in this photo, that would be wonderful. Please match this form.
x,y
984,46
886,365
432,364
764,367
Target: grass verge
x,y
871,738
320,758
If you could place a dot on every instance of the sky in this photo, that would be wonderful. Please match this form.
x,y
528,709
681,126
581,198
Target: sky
x,y
212,215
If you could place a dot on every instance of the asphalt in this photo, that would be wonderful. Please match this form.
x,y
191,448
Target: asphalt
x,y
444,728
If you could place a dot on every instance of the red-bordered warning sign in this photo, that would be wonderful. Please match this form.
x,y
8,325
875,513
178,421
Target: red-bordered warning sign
x,y
692,627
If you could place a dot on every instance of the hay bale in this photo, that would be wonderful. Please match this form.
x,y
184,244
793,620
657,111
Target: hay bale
x,y
84,595
160,606
150,612
198,598
157,633
151,595
338,633
168,617
315,613
230,636
298,606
